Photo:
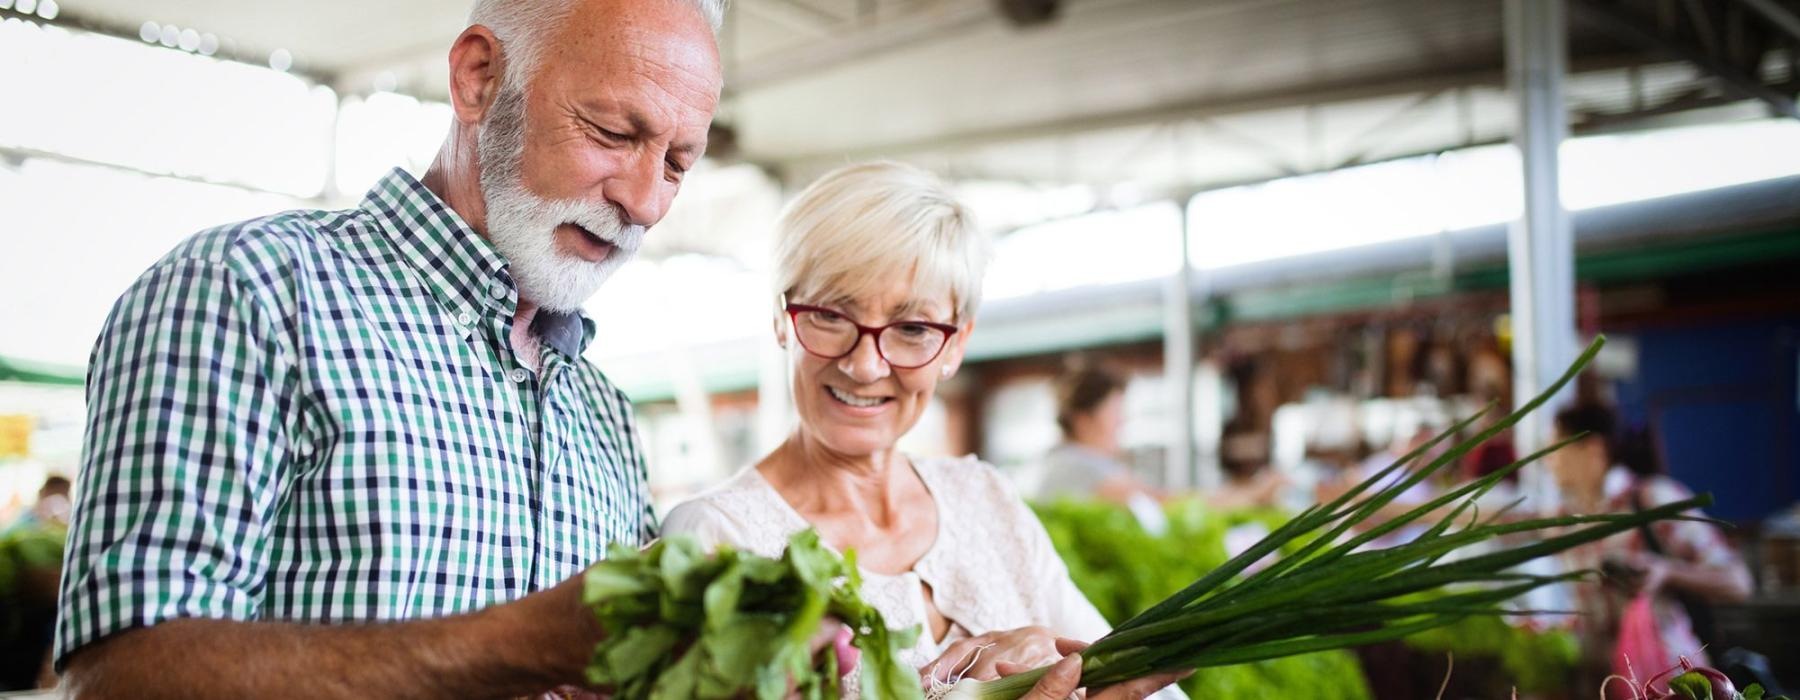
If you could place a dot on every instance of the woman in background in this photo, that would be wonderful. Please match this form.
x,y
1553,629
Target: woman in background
x,y
1089,462
1679,564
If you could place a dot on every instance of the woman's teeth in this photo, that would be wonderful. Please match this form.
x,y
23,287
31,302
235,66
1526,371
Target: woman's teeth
x,y
856,401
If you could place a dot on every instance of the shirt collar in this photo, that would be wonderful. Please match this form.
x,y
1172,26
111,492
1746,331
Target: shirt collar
x,y
464,272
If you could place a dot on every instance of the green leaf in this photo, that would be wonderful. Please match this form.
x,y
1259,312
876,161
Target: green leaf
x,y
639,648
735,652
815,565
680,558
611,579
679,681
722,596
1692,684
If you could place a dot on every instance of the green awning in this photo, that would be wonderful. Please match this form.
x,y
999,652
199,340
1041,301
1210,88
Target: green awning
x,y
29,372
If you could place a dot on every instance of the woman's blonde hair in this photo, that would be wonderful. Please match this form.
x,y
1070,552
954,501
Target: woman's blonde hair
x,y
857,228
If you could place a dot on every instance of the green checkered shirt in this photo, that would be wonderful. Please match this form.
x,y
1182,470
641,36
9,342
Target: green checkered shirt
x,y
318,417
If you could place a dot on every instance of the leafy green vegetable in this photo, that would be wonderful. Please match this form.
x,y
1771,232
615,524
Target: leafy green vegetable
x,y
1529,661
30,561
686,624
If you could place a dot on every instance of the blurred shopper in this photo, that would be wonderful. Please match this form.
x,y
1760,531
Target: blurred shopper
x,y
1089,462
1658,579
51,508
1249,480
878,273
1417,495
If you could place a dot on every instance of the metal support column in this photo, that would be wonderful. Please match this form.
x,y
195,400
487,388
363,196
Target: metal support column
x,y
1541,245
1178,367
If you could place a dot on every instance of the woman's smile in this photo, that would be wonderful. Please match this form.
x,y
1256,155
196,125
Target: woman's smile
x,y
867,405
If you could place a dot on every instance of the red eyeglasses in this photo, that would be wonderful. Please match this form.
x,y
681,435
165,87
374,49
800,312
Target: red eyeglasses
x,y
829,334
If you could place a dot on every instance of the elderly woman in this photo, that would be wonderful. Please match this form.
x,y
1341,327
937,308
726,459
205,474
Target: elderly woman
x,y
878,273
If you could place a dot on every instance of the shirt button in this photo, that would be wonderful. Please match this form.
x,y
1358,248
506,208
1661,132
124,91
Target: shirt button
x,y
497,289
465,319
519,375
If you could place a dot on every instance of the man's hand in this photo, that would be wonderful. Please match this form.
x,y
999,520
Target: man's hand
x,y
1064,678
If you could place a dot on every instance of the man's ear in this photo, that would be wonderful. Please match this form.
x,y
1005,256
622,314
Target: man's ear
x,y
476,68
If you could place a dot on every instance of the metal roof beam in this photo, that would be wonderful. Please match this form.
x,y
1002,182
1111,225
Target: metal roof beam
x,y
1635,30
1782,17
879,37
1399,83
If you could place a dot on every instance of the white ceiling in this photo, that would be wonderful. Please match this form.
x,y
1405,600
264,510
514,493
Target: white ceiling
x,y
1162,93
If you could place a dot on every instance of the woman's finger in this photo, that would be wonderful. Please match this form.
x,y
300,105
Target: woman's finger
x,y
1005,669
949,664
1140,688
1066,646
1059,682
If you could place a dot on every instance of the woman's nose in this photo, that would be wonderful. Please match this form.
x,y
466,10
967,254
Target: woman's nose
x,y
864,363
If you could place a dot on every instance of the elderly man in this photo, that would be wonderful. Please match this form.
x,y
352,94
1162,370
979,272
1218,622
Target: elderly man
x,y
357,453
381,415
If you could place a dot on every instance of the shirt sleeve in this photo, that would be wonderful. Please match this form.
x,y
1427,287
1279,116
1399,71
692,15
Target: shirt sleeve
x,y
1687,540
183,459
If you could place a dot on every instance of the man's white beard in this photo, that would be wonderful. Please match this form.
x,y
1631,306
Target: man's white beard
x,y
522,225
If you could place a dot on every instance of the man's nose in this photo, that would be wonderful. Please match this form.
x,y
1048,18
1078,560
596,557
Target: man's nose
x,y
640,190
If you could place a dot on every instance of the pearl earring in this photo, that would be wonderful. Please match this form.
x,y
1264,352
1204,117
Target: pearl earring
x,y
944,370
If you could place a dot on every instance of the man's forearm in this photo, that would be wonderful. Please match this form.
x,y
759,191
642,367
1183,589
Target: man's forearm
x,y
515,649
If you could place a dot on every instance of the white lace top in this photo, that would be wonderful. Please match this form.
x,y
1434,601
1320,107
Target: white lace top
x,y
992,567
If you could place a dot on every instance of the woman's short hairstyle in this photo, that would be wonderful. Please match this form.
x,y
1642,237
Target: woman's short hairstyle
x,y
857,229
1633,447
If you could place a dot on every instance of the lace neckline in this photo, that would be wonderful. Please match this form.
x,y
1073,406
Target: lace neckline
x,y
797,521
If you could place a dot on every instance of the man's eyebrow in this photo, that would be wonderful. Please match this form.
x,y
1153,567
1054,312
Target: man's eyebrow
x,y
687,147
640,125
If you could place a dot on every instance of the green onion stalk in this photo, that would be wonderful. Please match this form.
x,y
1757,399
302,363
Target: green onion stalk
x,y
1333,593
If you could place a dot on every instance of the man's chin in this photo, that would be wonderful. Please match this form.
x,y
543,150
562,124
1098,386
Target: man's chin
x,y
570,293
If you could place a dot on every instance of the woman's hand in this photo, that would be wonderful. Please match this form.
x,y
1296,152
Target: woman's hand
x,y
978,657
1063,679
1652,571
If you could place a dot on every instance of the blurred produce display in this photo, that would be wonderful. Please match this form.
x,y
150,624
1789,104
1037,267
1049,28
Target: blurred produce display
x,y
30,564
1123,569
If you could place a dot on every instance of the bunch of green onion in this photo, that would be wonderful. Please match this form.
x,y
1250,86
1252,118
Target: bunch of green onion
x,y
1331,593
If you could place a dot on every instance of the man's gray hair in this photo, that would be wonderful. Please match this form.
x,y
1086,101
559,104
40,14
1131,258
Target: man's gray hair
x,y
522,25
